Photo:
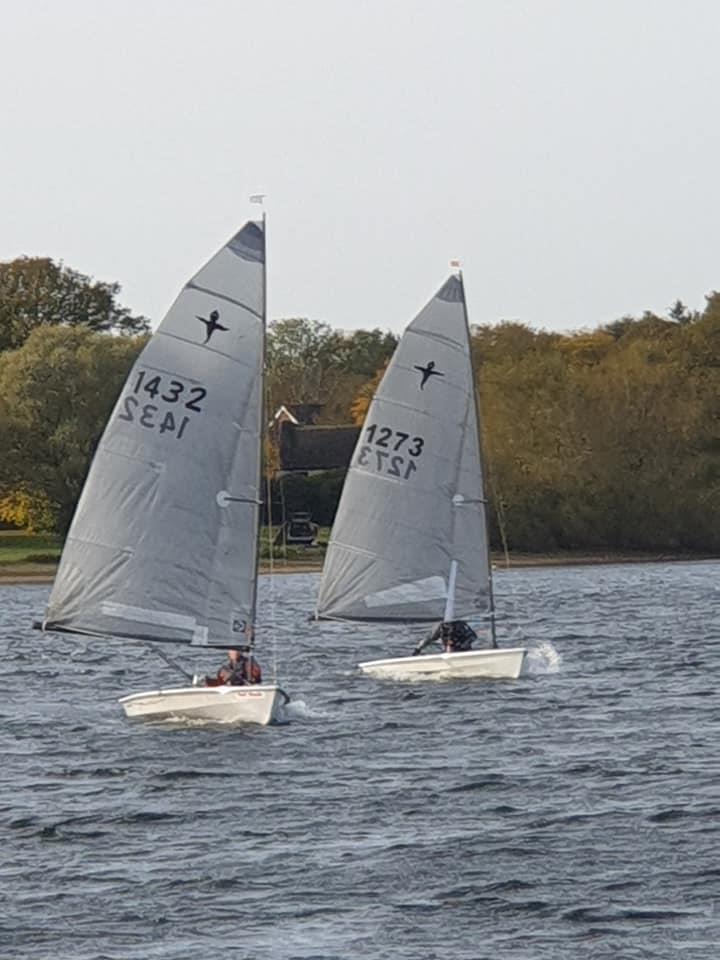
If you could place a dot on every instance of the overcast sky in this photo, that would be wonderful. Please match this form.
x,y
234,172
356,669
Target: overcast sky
x,y
566,151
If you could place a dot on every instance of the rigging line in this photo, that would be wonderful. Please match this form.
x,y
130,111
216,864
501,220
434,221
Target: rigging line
x,y
168,660
271,567
270,543
500,514
283,518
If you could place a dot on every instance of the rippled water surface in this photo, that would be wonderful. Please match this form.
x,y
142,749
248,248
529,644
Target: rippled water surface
x,y
572,813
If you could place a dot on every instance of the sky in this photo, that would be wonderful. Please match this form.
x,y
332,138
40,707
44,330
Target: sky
x,y
567,152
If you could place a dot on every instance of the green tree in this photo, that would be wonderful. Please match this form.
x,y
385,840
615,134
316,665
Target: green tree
x,y
364,352
56,393
37,292
682,314
302,360
309,362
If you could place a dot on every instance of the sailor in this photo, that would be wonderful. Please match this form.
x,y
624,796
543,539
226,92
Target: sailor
x,y
240,669
456,636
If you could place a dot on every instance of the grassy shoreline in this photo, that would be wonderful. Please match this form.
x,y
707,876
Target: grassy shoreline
x,y
33,572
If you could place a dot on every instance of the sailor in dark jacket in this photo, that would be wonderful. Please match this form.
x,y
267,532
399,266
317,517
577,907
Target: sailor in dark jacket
x,y
455,636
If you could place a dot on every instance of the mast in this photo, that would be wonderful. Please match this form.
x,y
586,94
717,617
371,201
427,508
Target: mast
x,y
491,597
261,422
449,614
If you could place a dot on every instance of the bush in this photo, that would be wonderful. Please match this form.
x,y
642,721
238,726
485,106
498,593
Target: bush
x,y
317,495
29,510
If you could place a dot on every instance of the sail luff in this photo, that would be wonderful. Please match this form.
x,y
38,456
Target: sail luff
x,y
260,422
483,461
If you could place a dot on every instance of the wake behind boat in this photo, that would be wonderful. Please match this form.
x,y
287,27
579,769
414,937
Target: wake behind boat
x,y
409,543
163,546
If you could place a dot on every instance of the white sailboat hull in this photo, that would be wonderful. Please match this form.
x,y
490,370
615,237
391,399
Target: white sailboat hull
x,y
259,704
502,664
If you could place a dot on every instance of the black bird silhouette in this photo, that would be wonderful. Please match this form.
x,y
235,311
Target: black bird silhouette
x,y
427,372
212,325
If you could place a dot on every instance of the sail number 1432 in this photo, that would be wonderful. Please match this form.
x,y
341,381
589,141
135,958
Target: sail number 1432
x,y
391,452
161,414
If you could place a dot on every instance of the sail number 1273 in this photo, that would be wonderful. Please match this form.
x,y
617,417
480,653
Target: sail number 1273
x,y
390,452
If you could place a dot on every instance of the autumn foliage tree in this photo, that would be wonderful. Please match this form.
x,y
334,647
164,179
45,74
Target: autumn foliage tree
x,y
56,393
605,440
61,366
363,398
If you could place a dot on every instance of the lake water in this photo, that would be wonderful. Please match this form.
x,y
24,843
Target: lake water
x,y
573,813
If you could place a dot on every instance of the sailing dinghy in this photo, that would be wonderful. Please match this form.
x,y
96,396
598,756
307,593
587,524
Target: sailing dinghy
x,y
409,542
164,543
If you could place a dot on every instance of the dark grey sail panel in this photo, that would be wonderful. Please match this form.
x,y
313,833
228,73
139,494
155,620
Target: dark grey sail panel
x,y
164,539
413,497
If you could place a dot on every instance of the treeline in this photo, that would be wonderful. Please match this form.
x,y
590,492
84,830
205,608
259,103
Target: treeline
x,y
607,439
594,440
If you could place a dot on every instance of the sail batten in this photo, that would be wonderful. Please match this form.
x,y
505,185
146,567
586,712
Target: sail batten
x,y
164,539
223,296
394,544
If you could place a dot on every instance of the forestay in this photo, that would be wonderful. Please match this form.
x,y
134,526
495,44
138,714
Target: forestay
x,y
164,539
413,498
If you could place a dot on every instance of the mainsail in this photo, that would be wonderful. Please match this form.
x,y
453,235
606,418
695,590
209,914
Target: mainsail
x,y
412,508
164,541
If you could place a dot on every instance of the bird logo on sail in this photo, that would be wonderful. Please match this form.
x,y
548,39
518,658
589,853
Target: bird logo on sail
x,y
427,372
211,325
